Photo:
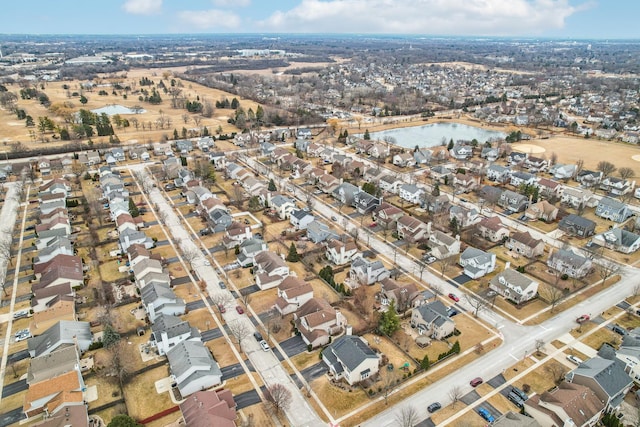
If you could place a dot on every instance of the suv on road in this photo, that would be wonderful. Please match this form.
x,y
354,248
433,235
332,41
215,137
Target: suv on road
x,y
517,400
258,336
434,407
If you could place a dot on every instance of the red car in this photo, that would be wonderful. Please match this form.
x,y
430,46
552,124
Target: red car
x,y
583,318
454,297
222,308
239,309
373,224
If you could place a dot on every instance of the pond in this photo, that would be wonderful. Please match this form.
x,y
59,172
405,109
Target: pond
x,y
112,110
432,135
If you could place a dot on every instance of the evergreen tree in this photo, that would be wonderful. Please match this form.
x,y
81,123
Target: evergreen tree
x,y
123,421
389,321
272,184
425,363
366,134
436,190
450,146
293,254
133,209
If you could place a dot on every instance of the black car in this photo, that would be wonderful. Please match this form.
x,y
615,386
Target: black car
x,y
170,187
222,285
205,232
520,393
258,336
434,407
619,330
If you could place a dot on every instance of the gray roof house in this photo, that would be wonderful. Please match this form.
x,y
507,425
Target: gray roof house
x,y
619,240
65,333
345,193
605,375
168,330
301,218
365,202
577,225
476,262
249,249
318,231
193,367
159,298
498,173
613,210
365,272
351,358
220,218
513,201
432,319
184,146
568,262
513,285
128,237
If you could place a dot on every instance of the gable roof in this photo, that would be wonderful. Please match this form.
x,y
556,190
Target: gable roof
x,y
351,351
608,373
209,409
65,331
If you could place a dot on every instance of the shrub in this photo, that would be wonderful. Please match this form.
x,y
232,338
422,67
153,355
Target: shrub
x,y
565,276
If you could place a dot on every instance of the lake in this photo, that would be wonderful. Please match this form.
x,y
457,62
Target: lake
x,y
431,135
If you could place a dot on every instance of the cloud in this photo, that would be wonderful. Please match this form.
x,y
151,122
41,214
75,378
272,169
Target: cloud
x,y
439,17
232,3
209,19
142,7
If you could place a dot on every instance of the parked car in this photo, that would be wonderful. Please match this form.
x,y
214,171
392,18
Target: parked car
x,y
239,309
520,393
258,336
583,318
373,224
619,330
20,314
222,285
574,359
222,308
486,415
205,232
333,218
517,400
476,382
169,187
429,259
434,407
264,345
452,312
454,297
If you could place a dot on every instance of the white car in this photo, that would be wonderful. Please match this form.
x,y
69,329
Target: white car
x,y
264,345
574,359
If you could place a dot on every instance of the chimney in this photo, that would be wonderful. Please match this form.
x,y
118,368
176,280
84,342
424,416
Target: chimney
x,y
507,265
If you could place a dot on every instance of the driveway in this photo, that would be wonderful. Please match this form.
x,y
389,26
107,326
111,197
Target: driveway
x,y
462,279
470,397
14,388
293,346
211,334
486,405
314,371
11,417
244,400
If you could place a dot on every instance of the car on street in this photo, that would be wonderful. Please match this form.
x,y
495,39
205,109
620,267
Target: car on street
x,y
476,382
222,308
206,262
20,314
574,359
258,336
373,224
239,309
454,297
583,318
434,407
264,345
333,218
486,415
222,285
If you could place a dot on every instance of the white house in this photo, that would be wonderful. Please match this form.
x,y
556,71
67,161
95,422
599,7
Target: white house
x,y
301,218
351,358
477,263
193,367
270,270
514,286
167,331
570,263
411,193
365,272
292,294
340,253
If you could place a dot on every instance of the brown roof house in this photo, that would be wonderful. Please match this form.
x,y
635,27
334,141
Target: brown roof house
x,y
403,296
492,229
542,210
58,309
211,408
524,243
341,253
64,269
270,270
50,395
567,404
292,294
317,321
387,215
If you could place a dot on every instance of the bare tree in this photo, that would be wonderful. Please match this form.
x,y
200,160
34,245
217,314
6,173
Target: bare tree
x,y
553,159
6,244
551,295
625,173
389,381
273,322
190,253
607,168
408,416
362,301
221,300
539,346
436,288
478,304
455,393
444,264
556,371
606,268
278,396
579,167
239,329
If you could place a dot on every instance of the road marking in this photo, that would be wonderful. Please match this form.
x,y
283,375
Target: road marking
x,y
514,357
543,328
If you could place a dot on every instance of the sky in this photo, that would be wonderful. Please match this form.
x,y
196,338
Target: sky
x,y
594,19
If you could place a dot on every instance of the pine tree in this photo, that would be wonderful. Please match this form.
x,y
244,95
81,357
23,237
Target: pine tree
x,y
366,134
293,254
272,184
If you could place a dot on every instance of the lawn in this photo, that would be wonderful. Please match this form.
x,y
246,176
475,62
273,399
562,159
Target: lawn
x,y
141,396
337,400
394,354
223,355
108,390
257,414
305,359
541,379
242,383
601,336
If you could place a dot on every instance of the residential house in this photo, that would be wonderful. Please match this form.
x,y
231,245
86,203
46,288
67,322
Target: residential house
x,y
522,178
513,201
549,189
363,146
61,335
159,298
411,193
61,269
365,272
440,173
144,267
498,173
513,285
516,158
235,234
168,330
476,262
365,202
317,322
577,225
379,150
565,261
616,186
629,354
461,151
301,218
373,175
318,231
490,194
515,419
57,309
542,210
387,215
588,178
345,193
249,249
314,150
578,198
435,204
129,237
404,160
412,229
340,252
328,183
605,375
464,183
283,206
464,217
304,133
563,172
193,367
53,364
431,319
442,245
292,294
566,405
52,395
351,358
490,153
210,408
402,296
618,239
390,183
89,157
219,160
56,246
492,229
613,210
42,299
524,243
422,156
536,164
270,270
220,219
